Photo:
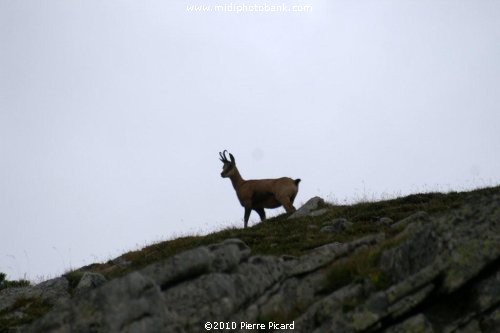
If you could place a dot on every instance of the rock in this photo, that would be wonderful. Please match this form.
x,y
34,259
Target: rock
x,y
23,302
229,254
318,212
411,255
442,276
309,208
471,327
420,216
487,292
319,316
88,282
385,221
337,225
415,324
121,262
183,266
328,228
50,291
326,254
130,304
491,322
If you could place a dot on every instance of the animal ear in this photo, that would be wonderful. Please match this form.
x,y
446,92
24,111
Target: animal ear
x,y
233,161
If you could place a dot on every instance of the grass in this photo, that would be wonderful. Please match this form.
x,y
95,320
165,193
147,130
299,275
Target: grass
x,y
278,236
73,278
22,312
363,264
4,283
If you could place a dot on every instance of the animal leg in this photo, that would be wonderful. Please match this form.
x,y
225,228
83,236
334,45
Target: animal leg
x,y
289,208
247,215
261,212
287,204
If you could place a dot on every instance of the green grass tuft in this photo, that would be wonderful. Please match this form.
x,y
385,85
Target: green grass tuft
x,y
4,283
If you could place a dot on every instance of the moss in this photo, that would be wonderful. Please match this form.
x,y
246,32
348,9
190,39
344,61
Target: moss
x,y
22,312
341,274
364,319
380,280
282,316
349,305
361,265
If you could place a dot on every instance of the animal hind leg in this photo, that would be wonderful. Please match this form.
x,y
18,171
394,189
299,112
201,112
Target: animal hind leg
x,y
261,212
287,204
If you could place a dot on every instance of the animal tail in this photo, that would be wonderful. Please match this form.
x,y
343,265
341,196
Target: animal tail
x,y
297,181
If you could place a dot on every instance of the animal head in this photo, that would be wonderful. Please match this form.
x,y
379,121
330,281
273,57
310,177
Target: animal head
x,y
229,166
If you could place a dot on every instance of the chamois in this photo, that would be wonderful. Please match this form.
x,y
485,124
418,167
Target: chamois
x,y
257,194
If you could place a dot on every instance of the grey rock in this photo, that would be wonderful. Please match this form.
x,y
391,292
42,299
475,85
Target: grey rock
x,y
185,265
308,208
121,262
418,251
326,254
130,304
491,322
50,291
337,225
89,281
385,221
420,216
318,212
229,254
410,301
320,317
415,324
487,292
471,327
328,229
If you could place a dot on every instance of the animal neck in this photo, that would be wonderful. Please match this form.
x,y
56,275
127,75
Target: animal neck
x,y
236,179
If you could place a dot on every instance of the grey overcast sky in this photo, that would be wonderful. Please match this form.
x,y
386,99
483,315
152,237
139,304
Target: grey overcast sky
x,y
112,114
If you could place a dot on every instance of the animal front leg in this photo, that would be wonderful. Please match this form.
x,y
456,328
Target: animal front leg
x,y
247,215
261,212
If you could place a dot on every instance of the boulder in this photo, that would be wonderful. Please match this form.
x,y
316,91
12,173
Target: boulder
x,y
310,208
89,281
337,225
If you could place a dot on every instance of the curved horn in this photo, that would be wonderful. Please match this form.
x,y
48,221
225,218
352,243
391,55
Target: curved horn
x,y
223,157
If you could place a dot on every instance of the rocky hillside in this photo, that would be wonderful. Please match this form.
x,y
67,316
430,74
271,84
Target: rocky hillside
x,y
424,263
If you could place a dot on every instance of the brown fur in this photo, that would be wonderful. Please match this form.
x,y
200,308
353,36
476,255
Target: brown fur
x,y
257,194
